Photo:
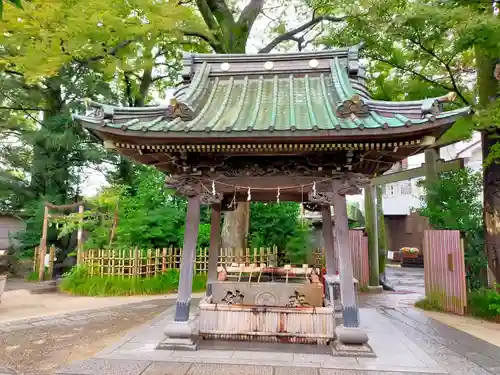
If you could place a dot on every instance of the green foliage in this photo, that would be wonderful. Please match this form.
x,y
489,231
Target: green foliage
x,y
79,282
453,202
429,304
148,215
355,214
484,303
425,49
279,224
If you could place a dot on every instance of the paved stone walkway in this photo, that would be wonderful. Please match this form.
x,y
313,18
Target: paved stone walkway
x,y
39,346
405,341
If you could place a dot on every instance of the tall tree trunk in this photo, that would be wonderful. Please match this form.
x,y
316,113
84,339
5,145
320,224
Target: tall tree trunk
x,y
487,92
235,227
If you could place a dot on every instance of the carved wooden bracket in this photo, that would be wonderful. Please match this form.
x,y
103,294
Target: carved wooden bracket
x,y
354,106
187,186
351,184
179,110
209,198
323,199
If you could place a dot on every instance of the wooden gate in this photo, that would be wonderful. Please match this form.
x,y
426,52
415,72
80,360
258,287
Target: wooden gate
x,y
444,269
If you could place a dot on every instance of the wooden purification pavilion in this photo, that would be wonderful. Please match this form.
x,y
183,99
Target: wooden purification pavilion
x,y
298,127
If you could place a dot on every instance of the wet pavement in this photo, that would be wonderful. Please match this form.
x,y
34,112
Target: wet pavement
x,y
409,288
403,338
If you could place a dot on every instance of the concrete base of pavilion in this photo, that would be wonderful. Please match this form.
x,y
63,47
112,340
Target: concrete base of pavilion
x,y
138,350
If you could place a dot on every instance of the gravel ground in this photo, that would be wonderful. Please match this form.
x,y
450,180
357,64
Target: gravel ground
x,y
40,346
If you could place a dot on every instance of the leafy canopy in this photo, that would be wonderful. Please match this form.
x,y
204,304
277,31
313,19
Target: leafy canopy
x,y
46,35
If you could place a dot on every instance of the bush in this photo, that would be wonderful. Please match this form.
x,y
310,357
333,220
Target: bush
x,y
429,304
79,282
484,303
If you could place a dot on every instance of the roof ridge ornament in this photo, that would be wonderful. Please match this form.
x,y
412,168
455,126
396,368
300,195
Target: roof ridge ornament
x,y
180,110
434,105
353,106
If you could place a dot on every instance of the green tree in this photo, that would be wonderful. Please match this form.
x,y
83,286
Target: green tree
x,y
420,49
355,214
454,203
16,3
273,224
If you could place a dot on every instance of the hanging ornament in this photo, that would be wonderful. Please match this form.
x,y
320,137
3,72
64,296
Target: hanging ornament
x,y
302,206
233,201
278,196
213,188
314,188
249,195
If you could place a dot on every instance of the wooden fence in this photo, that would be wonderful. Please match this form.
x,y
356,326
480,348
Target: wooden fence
x,y
147,263
358,245
49,268
444,269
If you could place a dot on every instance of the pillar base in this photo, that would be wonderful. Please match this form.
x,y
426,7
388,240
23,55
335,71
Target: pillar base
x,y
180,336
351,335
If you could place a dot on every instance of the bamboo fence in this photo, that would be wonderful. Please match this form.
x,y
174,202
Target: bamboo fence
x,y
37,261
151,262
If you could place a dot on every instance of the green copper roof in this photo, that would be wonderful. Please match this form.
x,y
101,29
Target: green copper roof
x,y
241,94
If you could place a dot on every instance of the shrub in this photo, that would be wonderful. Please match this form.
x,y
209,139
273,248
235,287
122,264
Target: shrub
x,y
484,303
429,304
79,282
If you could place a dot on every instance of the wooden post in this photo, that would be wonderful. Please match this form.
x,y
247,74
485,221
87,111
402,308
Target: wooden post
x,y
43,244
431,168
79,238
371,229
331,267
349,333
187,263
36,263
50,268
215,244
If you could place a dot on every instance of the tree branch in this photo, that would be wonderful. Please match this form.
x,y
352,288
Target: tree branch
x,y
207,14
112,52
159,78
413,72
290,35
212,42
250,13
221,12
446,66
22,109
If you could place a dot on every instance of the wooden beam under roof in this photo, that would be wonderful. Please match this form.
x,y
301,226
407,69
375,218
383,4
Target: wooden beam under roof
x,y
442,166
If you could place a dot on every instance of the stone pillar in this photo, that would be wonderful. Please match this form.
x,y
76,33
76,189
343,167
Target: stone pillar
x,y
215,243
331,267
349,332
180,334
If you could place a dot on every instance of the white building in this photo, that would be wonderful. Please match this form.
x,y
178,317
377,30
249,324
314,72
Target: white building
x,y
401,197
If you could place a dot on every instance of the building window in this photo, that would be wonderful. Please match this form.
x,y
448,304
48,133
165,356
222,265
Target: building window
x,y
389,190
405,187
